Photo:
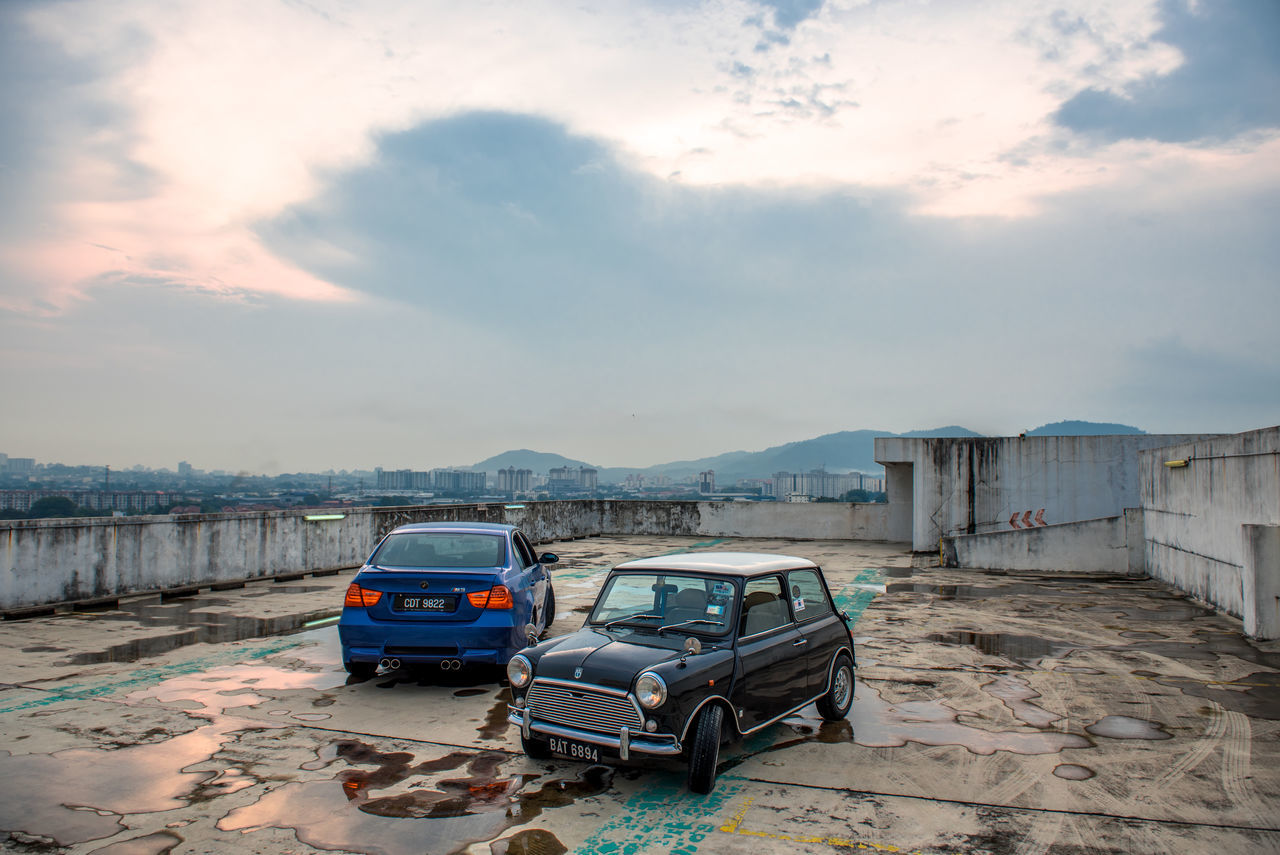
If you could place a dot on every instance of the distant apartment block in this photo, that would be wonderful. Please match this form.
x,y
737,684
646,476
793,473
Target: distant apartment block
x,y
17,465
185,469
707,482
513,480
822,484
439,480
96,500
570,479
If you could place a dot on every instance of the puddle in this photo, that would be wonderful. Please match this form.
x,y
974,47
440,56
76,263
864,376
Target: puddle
x,y
1017,694
194,620
1126,727
415,810
81,794
1176,612
531,841
875,723
975,592
495,722
1025,649
1256,695
217,690
43,648
1072,772
897,572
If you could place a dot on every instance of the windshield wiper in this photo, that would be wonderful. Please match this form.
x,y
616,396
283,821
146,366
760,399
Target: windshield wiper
x,y
687,622
632,617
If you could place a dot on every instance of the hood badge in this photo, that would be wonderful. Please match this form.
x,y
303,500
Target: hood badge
x,y
577,673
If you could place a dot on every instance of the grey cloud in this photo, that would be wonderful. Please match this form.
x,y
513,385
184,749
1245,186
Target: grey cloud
x,y
1226,86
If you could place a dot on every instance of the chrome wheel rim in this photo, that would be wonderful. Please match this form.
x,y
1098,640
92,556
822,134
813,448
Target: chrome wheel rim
x,y
840,692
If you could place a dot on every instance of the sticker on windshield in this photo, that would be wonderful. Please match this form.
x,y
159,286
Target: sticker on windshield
x,y
722,588
799,604
715,610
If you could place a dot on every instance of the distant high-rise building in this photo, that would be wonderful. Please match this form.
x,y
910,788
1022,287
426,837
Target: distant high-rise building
x,y
707,481
513,480
185,469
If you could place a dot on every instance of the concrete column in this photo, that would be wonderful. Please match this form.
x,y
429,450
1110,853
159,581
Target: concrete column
x,y
899,485
1261,581
1136,537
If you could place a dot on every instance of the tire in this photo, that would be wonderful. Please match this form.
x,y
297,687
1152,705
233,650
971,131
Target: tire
x,y
704,753
363,670
549,610
834,705
536,748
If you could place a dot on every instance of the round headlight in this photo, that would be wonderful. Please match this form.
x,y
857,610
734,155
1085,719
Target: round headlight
x,y
651,691
519,671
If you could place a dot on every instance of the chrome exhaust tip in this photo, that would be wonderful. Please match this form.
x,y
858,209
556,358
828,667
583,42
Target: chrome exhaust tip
x,y
395,664
450,665
384,662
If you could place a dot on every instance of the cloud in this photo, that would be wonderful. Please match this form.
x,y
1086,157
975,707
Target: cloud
x,y
1225,86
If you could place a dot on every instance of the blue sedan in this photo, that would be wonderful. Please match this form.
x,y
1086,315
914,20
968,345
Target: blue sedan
x,y
445,595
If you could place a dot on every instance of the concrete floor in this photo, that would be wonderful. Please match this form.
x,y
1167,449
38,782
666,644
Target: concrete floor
x,y
994,713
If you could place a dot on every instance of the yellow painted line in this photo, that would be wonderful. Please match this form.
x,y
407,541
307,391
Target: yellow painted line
x,y
734,826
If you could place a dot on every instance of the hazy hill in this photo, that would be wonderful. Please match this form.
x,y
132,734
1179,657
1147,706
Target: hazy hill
x,y
844,451
1076,428
540,462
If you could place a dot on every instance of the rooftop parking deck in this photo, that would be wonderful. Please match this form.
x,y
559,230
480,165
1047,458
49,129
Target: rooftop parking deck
x,y
995,712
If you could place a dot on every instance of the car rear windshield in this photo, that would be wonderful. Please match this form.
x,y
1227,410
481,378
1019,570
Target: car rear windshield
x,y
441,549
672,600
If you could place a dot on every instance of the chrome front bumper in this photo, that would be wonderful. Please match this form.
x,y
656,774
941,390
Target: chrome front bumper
x,y
624,743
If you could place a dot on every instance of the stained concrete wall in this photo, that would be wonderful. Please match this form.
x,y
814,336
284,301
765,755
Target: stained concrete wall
x,y
1211,525
973,486
1090,546
44,562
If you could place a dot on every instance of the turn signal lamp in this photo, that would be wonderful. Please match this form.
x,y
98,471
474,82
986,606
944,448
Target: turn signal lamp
x,y
358,597
497,597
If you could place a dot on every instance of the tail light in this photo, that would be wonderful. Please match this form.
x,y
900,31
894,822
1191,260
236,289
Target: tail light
x,y
497,597
358,597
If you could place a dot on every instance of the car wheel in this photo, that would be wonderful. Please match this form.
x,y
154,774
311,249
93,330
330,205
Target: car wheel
x,y
704,753
538,749
549,609
834,705
360,669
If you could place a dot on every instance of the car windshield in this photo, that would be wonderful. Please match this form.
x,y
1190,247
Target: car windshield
x,y
668,601
441,549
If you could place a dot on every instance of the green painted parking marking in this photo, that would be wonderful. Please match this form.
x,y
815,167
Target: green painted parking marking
x,y
662,816
855,596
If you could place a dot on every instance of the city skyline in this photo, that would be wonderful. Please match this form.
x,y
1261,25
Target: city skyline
x,y
288,237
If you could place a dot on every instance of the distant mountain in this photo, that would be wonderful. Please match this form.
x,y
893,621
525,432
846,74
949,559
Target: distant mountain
x,y
845,451
540,462
1077,428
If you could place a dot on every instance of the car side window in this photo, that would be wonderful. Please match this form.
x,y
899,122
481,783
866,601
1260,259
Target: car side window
x,y
763,607
524,550
808,597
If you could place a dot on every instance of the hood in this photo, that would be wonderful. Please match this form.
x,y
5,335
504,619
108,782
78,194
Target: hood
x,y
606,658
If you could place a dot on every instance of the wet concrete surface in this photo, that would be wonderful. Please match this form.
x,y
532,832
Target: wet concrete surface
x,y
993,712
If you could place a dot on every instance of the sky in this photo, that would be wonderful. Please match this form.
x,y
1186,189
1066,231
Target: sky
x,y
294,235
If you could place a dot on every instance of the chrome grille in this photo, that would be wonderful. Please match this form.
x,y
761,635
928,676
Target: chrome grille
x,y
584,707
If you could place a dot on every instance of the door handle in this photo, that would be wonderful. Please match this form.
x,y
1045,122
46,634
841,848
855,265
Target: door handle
x,y
801,643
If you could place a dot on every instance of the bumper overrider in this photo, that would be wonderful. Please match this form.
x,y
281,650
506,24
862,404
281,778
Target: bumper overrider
x,y
558,708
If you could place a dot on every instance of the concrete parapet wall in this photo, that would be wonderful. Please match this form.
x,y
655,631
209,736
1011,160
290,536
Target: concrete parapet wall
x,y
977,485
44,562
1089,546
1209,520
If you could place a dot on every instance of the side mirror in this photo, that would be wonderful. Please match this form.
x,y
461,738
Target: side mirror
x,y
692,646
548,558
531,632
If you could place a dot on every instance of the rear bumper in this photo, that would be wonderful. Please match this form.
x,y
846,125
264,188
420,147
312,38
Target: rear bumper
x,y
492,642
624,744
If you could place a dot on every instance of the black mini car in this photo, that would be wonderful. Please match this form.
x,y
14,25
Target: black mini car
x,y
682,652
